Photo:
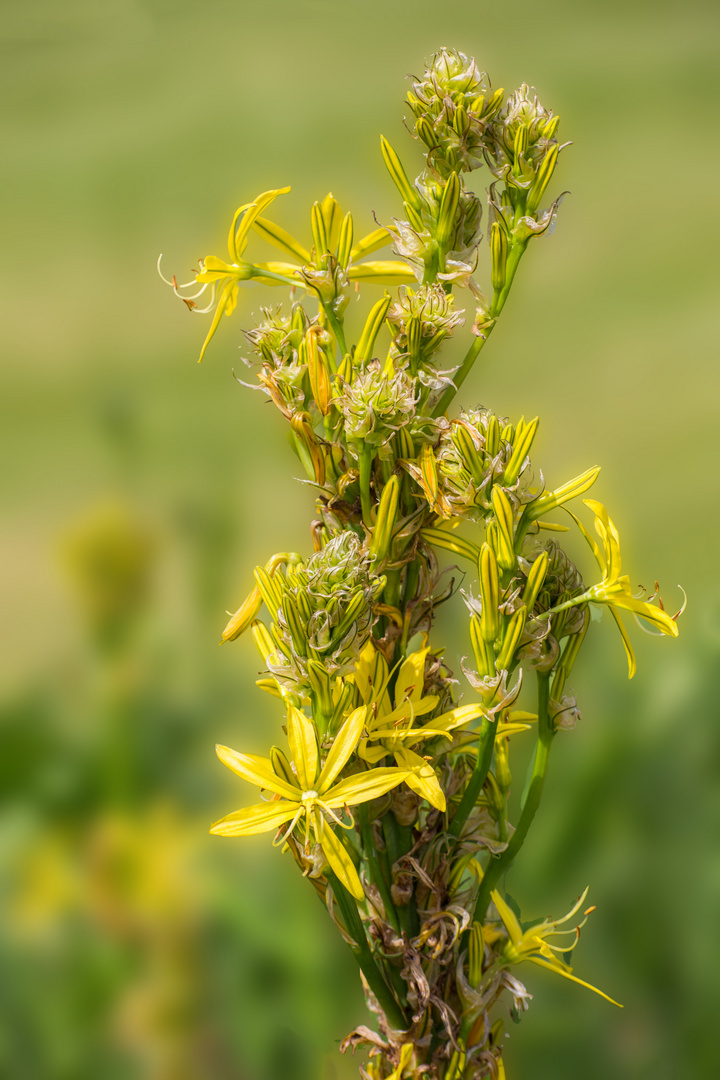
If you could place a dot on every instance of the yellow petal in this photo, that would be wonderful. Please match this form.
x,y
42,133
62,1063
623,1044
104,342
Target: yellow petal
x,y
257,770
262,817
375,240
303,747
411,677
277,236
345,742
632,664
558,969
382,273
340,862
508,917
237,238
243,616
364,786
421,778
227,300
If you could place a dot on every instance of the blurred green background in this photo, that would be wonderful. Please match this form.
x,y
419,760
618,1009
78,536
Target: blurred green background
x,y
138,490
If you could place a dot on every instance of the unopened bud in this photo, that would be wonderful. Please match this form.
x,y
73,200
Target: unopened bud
x,y
387,513
490,593
502,764
331,216
282,766
521,448
302,427
484,656
319,233
492,436
476,954
270,592
470,456
321,686
513,632
318,370
552,499
243,616
505,537
345,241
373,323
448,210
521,143
535,580
264,642
425,131
498,256
295,624
399,176
542,179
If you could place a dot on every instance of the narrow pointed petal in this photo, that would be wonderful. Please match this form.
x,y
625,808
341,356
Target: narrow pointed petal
x,y
257,770
411,677
632,664
281,239
364,786
345,743
303,747
262,817
378,238
340,862
567,975
508,917
237,238
382,273
227,300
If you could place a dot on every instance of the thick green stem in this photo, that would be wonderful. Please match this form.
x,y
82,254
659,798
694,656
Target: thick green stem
x,y
376,870
337,328
365,468
498,866
486,742
399,840
364,956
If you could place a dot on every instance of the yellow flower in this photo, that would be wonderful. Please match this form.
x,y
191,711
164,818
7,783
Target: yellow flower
x,y
614,589
308,793
391,728
532,944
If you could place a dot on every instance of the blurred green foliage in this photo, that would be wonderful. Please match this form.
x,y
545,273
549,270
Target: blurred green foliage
x,y
139,490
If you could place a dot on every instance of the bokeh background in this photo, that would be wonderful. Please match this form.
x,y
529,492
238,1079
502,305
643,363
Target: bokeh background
x,y
138,490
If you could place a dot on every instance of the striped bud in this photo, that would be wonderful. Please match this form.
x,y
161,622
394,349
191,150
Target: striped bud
x,y
502,764
490,594
373,323
425,131
429,474
264,642
295,624
331,217
484,656
399,176
492,436
535,580
406,448
270,686
282,766
269,590
342,706
513,632
387,513
470,456
319,233
521,143
318,370
524,437
448,210
447,541
505,534
321,685
552,499
302,427
498,256
354,609
542,179
345,241
461,121
243,616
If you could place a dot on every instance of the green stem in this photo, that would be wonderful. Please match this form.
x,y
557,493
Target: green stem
x,y
399,840
513,261
365,468
498,866
376,870
364,956
486,743
337,328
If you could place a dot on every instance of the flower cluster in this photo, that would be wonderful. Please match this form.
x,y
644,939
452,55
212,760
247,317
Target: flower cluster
x,y
391,793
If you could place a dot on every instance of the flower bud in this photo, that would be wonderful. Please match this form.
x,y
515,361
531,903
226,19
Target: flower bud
x,y
521,448
498,256
387,513
490,594
484,656
270,592
511,638
505,533
399,176
294,624
345,241
492,436
320,239
320,684
448,210
266,646
535,579
373,323
318,369
552,499
244,615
